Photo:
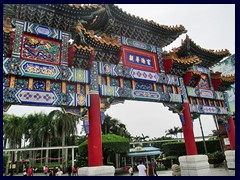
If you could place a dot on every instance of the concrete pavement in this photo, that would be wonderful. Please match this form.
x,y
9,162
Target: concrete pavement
x,y
221,171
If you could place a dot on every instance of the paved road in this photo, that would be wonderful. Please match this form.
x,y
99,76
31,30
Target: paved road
x,y
214,172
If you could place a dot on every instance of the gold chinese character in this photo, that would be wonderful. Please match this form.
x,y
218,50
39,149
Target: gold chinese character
x,y
143,60
137,59
149,62
131,57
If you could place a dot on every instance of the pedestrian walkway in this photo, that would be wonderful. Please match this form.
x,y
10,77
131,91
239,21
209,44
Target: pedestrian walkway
x,y
221,171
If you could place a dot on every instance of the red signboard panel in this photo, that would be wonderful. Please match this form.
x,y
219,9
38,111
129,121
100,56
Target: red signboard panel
x,y
139,59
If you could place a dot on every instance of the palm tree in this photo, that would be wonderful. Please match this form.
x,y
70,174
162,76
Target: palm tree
x,y
175,131
65,125
31,125
114,126
13,131
44,130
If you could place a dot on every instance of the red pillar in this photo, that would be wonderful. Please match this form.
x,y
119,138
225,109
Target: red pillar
x,y
95,133
231,133
190,143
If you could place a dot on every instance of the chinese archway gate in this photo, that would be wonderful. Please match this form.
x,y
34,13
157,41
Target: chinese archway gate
x,y
114,57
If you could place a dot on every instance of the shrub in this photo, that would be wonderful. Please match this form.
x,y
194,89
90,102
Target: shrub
x,y
169,161
216,157
178,148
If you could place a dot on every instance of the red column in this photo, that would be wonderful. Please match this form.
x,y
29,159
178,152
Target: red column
x,y
95,133
190,143
231,133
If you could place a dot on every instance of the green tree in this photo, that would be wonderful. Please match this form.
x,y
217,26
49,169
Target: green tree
x,y
65,125
163,139
13,131
175,131
111,144
114,126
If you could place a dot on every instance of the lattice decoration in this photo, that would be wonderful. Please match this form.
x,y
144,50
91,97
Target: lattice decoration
x,y
21,83
94,77
43,31
137,44
5,81
143,86
17,40
39,85
127,83
114,82
71,88
160,62
183,90
55,86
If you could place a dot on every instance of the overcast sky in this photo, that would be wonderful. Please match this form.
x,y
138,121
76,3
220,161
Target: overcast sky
x,y
209,26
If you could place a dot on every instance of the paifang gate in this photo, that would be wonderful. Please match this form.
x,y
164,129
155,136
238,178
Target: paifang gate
x,y
114,57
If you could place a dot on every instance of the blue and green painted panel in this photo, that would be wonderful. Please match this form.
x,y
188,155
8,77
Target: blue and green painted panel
x,y
17,39
138,44
47,71
48,98
127,72
43,31
207,109
204,93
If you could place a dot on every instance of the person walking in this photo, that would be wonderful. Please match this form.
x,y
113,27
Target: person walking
x,y
69,170
154,165
130,170
150,170
59,173
74,171
141,169
29,171
46,170
52,173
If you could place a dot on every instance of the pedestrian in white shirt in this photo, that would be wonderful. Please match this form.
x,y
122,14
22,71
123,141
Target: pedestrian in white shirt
x,y
59,173
141,169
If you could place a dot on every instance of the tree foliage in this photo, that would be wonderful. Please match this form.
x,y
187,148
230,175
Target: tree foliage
x,y
114,126
175,131
111,144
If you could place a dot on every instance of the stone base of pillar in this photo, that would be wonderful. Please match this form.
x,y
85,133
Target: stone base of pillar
x,y
194,165
230,158
96,171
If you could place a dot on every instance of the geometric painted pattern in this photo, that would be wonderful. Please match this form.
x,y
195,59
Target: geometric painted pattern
x,y
219,95
160,62
41,70
201,69
42,31
21,83
64,50
39,85
150,95
175,97
206,93
183,90
207,109
74,99
9,95
143,86
17,39
127,72
203,93
94,77
226,102
144,75
35,97
138,44
48,71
